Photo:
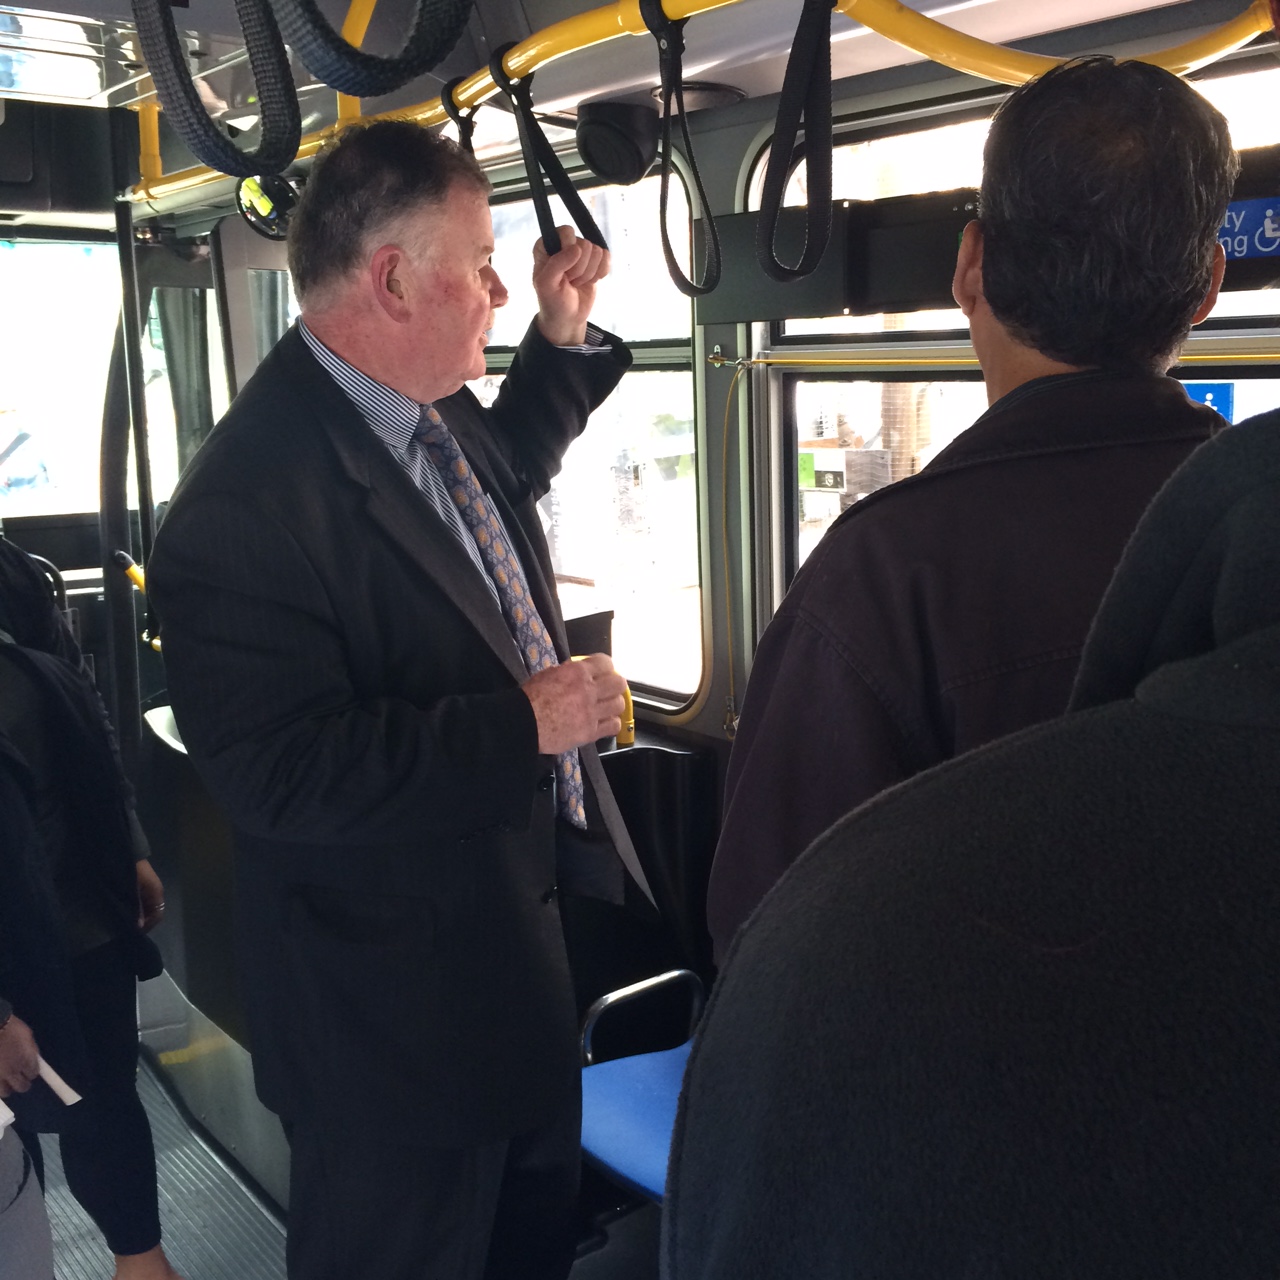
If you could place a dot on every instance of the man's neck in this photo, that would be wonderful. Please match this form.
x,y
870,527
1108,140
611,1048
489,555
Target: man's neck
x,y
1007,363
1008,370
376,350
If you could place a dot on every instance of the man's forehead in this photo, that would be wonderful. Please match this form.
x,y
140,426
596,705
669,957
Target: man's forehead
x,y
464,214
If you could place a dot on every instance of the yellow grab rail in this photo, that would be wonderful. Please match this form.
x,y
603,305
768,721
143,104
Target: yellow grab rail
x,y
354,29
889,18
951,48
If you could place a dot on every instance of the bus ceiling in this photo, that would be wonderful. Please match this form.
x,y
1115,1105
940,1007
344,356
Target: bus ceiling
x,y
93,58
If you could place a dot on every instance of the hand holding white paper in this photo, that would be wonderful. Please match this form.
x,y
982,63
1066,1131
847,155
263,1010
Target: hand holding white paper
x,y
55,1082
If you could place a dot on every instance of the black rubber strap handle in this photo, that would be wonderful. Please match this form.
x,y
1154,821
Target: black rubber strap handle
x,y
670,38
465,120
437,27
540,159
281,124
806,95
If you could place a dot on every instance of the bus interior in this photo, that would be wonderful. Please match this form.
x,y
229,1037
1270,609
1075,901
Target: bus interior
x,y
142,286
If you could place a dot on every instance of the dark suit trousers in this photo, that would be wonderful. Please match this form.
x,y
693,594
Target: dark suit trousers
x,y
363,1207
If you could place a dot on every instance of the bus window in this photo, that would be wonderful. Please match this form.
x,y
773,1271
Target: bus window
x,y
186,384
853,436
622,516
637,301
273,305
1248,100
57,350
1236,399
947,157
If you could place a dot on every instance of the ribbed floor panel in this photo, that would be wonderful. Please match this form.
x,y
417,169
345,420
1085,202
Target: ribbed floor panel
x,y
214,1228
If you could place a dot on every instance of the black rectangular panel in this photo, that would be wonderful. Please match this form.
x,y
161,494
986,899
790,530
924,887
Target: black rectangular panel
x,y
17,143
745,293
884,255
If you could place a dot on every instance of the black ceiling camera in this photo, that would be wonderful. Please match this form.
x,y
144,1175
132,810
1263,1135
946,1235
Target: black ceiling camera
x,y
265,203
617,140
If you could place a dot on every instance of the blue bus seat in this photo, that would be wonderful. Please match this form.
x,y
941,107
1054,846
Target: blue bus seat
x,y
628,1114
629,1104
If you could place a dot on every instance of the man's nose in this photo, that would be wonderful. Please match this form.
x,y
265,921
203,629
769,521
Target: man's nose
x,y
497,290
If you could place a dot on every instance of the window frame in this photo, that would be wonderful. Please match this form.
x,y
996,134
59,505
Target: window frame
x,y
656,355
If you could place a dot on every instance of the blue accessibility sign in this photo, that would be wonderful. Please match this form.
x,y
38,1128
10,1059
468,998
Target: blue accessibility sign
x,y
1251,229
1217,395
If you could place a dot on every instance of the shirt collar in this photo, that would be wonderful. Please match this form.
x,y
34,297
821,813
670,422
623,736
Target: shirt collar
x,y
392,416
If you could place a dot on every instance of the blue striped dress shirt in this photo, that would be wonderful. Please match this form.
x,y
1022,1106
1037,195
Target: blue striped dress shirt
x,y
394,419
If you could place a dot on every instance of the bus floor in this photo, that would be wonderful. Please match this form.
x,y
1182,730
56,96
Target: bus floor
x,y
214,1226
217,1228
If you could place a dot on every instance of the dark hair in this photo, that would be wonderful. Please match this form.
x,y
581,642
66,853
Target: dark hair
x,y
1103,189
364,179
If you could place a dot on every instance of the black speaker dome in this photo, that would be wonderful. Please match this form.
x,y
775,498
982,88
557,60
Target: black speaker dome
x,y
617,140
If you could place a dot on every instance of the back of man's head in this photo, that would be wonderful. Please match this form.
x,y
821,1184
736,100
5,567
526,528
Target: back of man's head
x,y
363,183
1103,189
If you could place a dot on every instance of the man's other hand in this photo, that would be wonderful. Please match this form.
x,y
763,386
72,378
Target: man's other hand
x,y
566,286
150,897
576,703
19,1057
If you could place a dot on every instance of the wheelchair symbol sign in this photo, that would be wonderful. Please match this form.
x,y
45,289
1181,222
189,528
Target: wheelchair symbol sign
x,y
1251,229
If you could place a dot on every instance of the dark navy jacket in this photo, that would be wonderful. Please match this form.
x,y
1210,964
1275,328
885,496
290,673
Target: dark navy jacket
x,y
942,612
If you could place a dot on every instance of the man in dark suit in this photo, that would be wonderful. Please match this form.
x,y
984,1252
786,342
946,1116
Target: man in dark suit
x,y
951,608
368,665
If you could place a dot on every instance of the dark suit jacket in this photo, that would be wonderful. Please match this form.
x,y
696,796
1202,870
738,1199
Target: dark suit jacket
x,y
351,694
942,612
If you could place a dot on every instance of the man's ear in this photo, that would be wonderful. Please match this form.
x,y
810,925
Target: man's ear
x,y
386,278
966,284
1211,298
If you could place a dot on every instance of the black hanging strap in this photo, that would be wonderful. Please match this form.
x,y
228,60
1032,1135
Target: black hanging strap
x,y
806,95
670,38
540,159
437,27
281,123
465,120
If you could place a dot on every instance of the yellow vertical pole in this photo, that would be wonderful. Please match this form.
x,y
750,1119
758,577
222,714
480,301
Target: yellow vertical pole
x,y
354,29
149,164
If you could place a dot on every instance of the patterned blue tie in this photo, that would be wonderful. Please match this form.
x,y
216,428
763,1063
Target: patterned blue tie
x,y
531,636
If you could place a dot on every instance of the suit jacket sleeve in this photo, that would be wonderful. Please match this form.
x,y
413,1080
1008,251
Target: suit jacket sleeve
x,y
545,401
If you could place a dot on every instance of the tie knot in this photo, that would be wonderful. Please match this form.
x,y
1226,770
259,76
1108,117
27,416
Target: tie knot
x,y
431,428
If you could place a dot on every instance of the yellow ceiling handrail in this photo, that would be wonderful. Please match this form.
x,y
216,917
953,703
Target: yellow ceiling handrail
x,y
889,18
952,48
354,29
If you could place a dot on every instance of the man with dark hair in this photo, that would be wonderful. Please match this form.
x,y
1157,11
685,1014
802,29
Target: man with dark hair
x,y
1014,1017
950,609
368,666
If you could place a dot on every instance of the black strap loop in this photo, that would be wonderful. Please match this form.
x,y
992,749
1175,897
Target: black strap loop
x,y
540,159
437,27
670,38
806,94
281,124
465,120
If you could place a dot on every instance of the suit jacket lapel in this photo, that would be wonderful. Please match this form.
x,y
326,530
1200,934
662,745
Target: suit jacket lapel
x,y
399,510
406,517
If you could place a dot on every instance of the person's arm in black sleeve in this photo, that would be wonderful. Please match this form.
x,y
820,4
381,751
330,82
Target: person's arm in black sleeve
x,y
558,376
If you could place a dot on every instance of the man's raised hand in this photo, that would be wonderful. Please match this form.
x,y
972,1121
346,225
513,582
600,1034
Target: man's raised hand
x,y
576,703
565,283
